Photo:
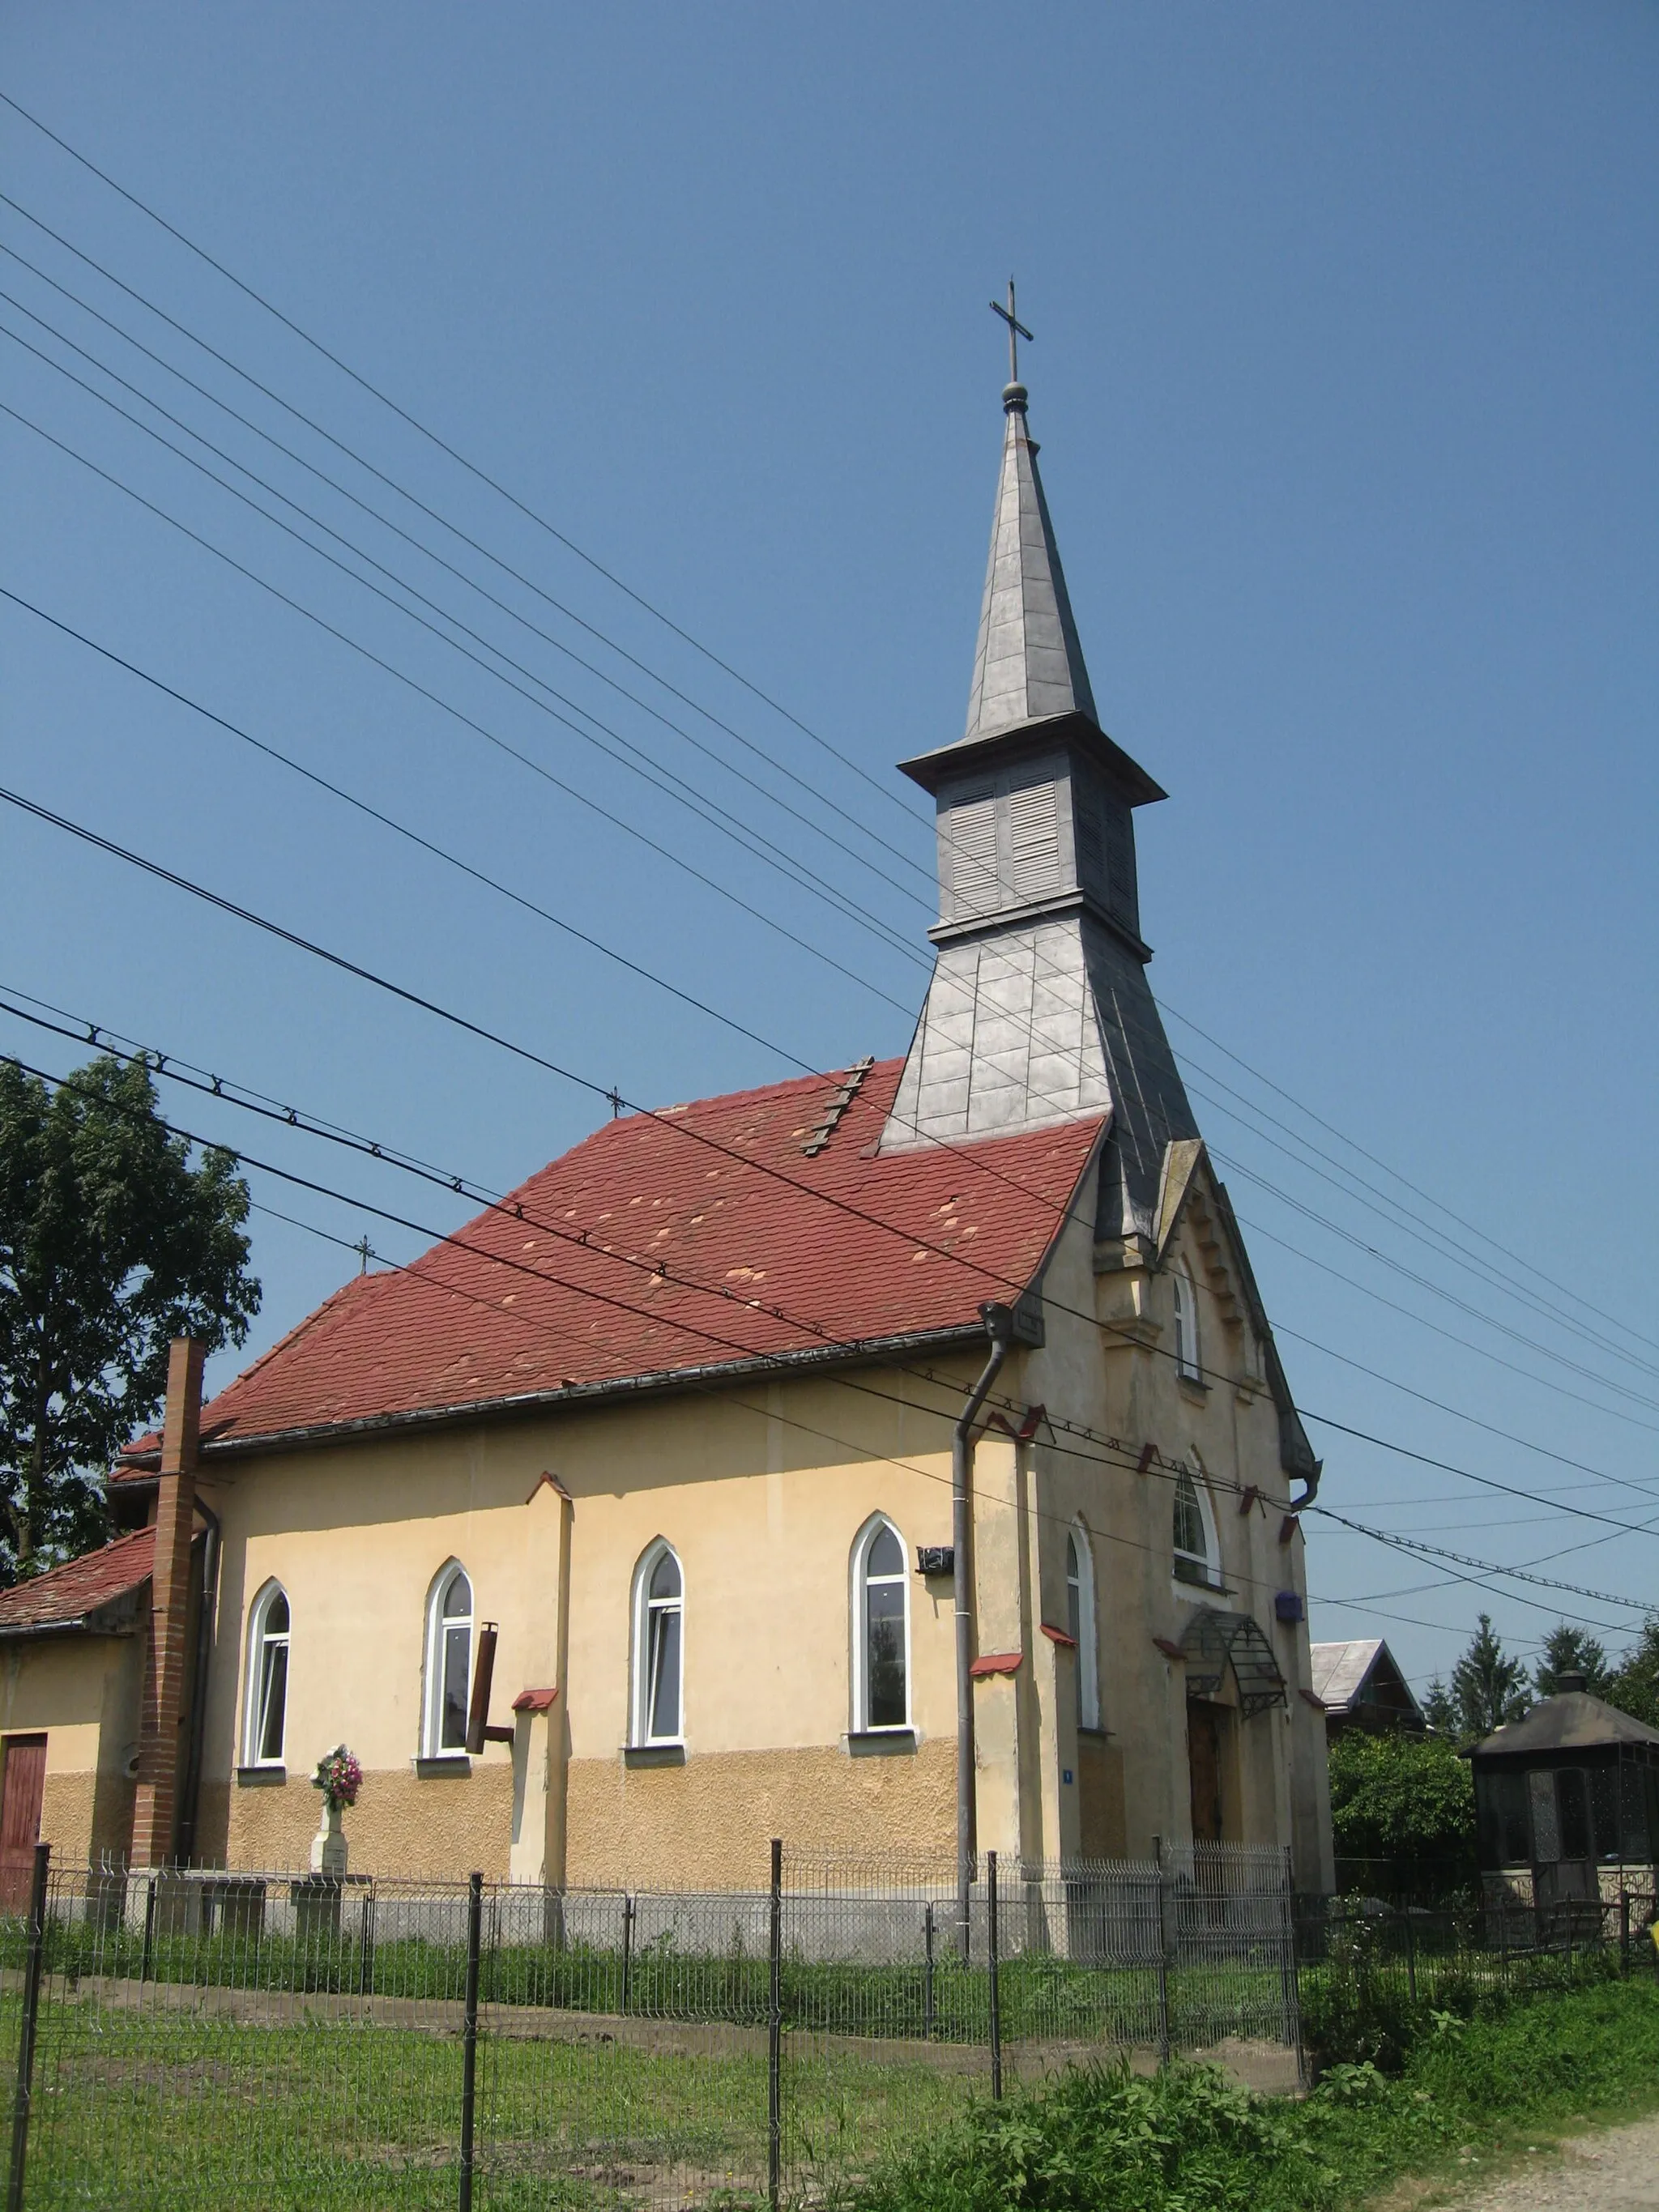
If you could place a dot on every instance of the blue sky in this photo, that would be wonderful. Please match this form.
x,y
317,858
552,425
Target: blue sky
x,y
1344,372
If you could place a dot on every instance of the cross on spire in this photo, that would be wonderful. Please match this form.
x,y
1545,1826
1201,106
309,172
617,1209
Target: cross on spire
x,y
1017,330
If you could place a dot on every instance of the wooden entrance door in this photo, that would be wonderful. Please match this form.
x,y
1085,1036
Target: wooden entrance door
x,y
1204,1760
22,1786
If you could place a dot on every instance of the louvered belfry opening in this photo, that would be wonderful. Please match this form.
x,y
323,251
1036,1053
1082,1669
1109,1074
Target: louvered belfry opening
x,y
1039,1010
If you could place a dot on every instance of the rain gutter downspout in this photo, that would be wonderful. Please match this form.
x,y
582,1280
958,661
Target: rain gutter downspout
x,y
1000,1326
208,1606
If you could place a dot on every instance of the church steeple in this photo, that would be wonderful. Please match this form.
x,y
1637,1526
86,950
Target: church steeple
x,y
1039,1009
1028,664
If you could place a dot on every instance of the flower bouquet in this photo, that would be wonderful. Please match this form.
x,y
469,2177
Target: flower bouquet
x,y
338,1777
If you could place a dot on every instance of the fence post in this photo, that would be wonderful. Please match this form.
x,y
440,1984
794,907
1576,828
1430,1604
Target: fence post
x,y
775,2035
928,1978
366,1955
1624,1931
149,1931
1289,1984
1411,1956
20,2114
994,1958
628,1943
1503,1939
1162,1958
470,2034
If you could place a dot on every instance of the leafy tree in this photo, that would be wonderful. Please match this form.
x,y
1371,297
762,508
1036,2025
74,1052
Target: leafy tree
x,y
111,1243
1633,1686
1569,1650
1398,1796
1487,1687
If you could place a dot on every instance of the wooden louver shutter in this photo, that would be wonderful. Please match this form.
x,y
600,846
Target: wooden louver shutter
x,y
1033,839
970,828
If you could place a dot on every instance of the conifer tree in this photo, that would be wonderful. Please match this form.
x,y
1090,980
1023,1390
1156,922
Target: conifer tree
x,y
1570,1651
1488,1688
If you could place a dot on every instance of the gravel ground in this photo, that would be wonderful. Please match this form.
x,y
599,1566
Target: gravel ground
x,y
1614,2170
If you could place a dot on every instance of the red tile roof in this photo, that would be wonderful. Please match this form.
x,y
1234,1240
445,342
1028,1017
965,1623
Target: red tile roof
x,y
66,1594
731,1250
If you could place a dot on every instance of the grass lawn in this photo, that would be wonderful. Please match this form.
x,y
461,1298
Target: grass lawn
x,y
161,2108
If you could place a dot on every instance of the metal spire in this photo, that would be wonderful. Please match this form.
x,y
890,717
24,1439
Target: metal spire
x,y
1028,664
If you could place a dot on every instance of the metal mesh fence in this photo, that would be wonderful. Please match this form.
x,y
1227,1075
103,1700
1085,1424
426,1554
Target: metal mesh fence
x,y
285,2040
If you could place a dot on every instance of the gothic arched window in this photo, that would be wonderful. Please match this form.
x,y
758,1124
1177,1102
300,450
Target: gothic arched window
x,y
266,1722
659,1709
1197,1555
1080,1624
881,1629
448,1663
1187,1363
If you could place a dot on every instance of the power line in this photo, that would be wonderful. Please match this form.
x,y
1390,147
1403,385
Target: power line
x,y
1428,1199
490,736
631,756
443,447
423,430
750,1356
1370,1251
1424,1282
1432,1239
402,490
502,605
290,1116
1494,1280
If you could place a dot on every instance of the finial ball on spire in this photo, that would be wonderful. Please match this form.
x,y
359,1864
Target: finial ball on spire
x,y
1014,396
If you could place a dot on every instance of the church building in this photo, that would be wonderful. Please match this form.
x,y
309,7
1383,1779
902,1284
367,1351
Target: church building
x,y
895,1460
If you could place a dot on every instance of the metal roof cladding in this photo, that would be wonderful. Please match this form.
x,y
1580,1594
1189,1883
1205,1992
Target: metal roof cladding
x,y
742,1268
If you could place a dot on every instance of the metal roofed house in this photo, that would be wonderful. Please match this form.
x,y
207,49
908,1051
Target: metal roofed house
x,y
1360,1685
1567,1802
897,1457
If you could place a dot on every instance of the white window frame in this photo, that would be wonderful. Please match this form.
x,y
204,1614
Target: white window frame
x,y
1192,1467
640,1736
1080,1557
437,1624
258,1635
1188,1353
859,1615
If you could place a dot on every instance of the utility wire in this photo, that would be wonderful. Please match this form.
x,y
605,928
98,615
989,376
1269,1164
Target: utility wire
x,y
1486,1276
290,1116
897,852
502,605
383,399
750,1355
472,468
631,756
703,1006
1416,1190
490,736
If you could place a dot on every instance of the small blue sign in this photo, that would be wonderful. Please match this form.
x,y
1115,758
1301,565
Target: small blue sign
x,y
1064,1773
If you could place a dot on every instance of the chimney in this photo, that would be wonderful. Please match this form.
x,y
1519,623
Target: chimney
x,y
160,1744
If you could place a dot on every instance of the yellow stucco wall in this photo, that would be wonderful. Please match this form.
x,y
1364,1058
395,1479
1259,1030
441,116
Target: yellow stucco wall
x,y
81,1692
762,1490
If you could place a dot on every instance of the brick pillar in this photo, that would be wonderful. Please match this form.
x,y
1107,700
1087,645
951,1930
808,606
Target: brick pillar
x,y
160,1748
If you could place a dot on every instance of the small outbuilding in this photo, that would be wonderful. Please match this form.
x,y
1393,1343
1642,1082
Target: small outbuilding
x,y
1567,1802
1360,1685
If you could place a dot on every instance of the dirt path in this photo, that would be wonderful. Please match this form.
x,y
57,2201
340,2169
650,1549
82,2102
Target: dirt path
x,y
1613,2170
